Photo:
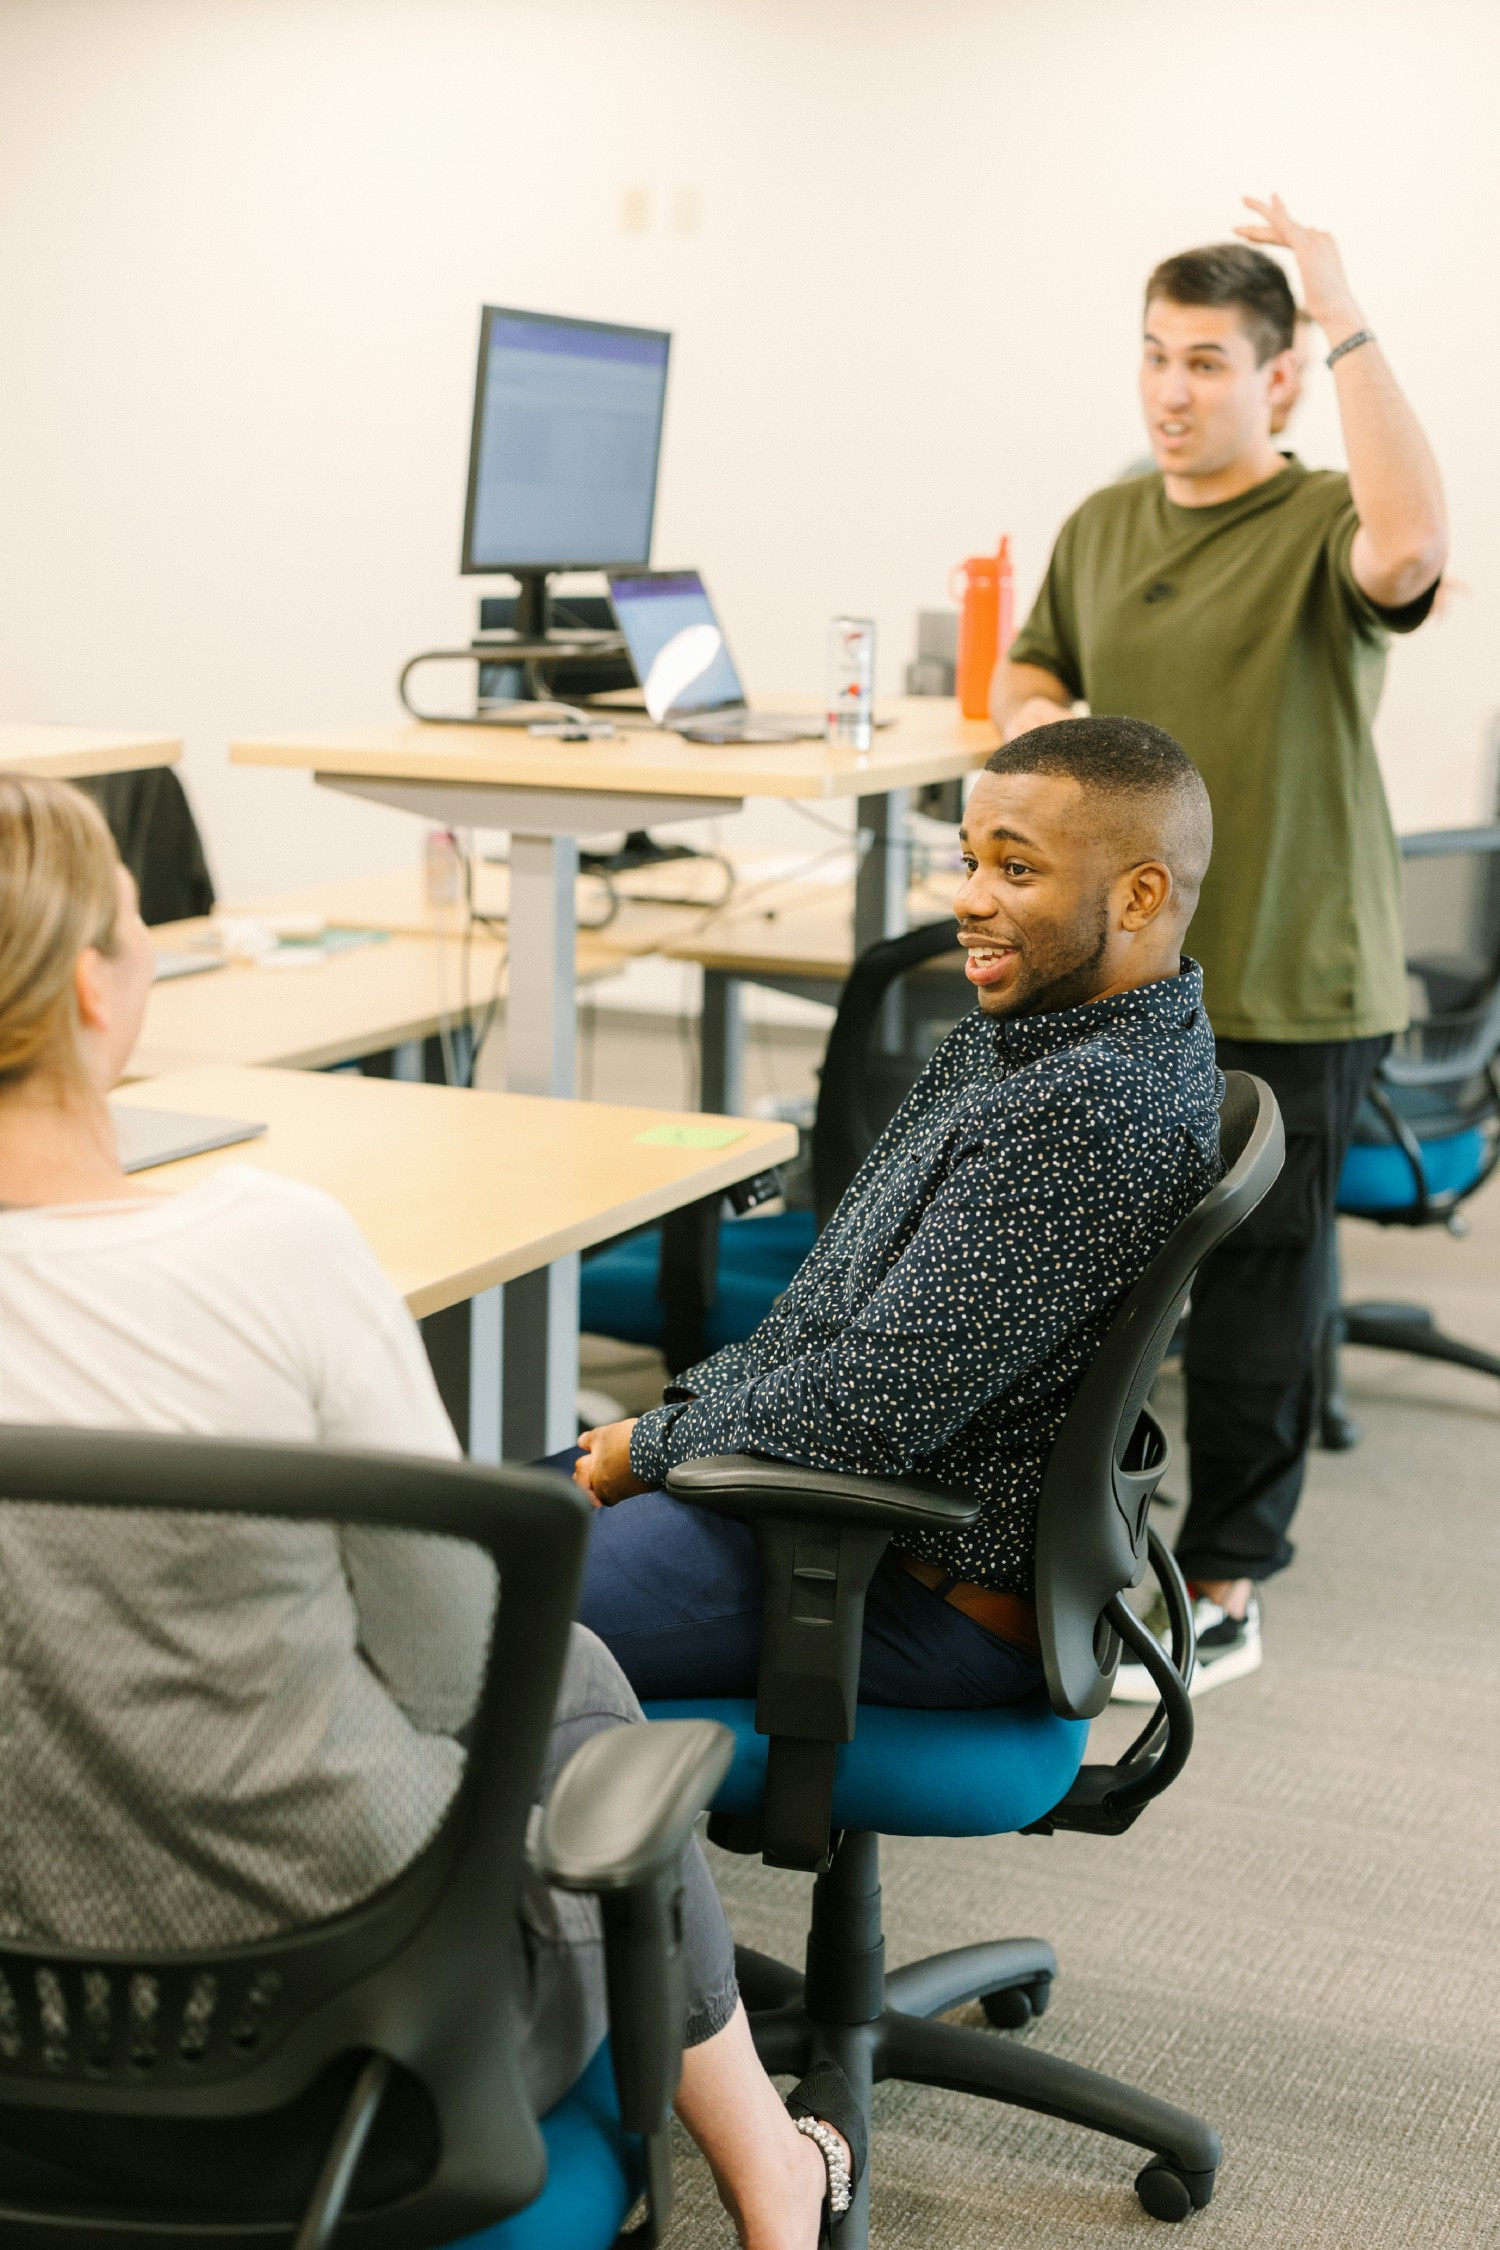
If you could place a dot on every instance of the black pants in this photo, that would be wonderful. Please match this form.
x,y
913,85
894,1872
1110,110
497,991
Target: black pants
x,y
1257,1311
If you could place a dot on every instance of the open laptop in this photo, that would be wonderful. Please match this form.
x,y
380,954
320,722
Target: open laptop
x,y
683,663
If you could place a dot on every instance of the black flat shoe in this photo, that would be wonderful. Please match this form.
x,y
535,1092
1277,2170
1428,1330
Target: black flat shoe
x,y
825,2097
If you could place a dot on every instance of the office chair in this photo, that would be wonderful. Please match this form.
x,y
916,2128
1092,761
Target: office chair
x,y
157,838
373,2052
1428,1134
818,1778
699,1281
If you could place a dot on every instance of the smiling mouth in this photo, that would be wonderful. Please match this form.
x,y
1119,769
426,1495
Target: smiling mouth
x,y
987,963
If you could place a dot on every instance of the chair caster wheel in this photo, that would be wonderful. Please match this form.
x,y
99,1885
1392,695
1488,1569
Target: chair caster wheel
x,y
1168,2194
1014,2005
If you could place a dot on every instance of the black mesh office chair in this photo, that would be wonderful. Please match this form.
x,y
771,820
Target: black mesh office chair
x,y
157,838
374,2054
818,1778
1428,1136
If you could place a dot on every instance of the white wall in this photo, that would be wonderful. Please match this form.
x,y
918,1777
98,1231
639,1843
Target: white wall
x,y
243,244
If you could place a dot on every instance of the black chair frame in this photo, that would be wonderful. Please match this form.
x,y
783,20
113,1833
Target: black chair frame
x,y
820,1537
416,1982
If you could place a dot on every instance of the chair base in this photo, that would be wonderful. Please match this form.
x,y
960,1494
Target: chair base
x,y
875,2026
1389,1328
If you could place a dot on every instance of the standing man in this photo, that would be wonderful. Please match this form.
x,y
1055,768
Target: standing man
x,y
1243,603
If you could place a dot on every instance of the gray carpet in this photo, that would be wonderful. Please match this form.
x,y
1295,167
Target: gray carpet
x,y
1302,1939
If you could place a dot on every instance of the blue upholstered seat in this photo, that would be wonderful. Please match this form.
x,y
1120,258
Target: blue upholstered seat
x,y
1377,1176
919,1773
593,2173
757,1259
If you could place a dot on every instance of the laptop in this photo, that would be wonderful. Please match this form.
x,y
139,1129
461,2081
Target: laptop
x,y
683,663
148,1137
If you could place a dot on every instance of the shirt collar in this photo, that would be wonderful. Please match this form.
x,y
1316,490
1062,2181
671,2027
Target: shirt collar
x,y
1167,1005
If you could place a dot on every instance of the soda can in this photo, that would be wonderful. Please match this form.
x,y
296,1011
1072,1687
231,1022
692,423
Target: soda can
x,y
851,681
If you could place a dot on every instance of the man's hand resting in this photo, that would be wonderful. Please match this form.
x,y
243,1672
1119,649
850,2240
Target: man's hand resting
x,y
605,1472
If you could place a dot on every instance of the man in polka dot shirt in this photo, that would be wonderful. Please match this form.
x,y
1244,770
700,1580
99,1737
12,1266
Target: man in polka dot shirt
x,y
949,1310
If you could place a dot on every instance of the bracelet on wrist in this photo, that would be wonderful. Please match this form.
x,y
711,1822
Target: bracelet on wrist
x,y
1350,344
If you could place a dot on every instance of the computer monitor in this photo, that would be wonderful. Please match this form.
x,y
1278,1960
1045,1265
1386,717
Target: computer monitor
x,y
563,458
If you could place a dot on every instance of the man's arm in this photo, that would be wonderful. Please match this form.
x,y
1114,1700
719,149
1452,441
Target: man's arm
x,y
1402,541
1024,696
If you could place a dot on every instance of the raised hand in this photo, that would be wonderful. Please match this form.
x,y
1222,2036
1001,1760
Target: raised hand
x,y
1325,288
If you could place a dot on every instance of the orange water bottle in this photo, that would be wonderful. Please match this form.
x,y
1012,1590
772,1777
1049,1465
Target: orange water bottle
x,y
986,596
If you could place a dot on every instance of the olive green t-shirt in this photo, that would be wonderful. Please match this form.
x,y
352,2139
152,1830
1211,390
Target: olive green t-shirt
x,y
1240,629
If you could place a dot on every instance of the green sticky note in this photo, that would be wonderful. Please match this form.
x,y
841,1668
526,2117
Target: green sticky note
x,y
689,1136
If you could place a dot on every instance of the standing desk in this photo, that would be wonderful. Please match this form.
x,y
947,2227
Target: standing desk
x,y
460,1193
548,793
80,753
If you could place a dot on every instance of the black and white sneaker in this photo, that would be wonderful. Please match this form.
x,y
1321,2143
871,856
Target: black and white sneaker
x,y
1228,1649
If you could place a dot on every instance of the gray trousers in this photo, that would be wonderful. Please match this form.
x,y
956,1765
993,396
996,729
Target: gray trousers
x,y
563,2009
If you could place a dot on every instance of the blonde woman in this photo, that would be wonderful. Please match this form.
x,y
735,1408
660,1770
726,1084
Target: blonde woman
x,y
225,1731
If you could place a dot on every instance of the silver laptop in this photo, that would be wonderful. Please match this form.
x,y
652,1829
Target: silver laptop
x,y
147,1137
683,663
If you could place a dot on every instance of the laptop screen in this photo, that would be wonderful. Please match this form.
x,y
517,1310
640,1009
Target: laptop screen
x,y
675,641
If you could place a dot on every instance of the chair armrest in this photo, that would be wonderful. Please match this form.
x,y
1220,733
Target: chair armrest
x,y
623,1807
751,1486
617,1822
821,1535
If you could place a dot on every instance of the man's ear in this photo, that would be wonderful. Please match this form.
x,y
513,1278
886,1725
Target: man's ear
x,y
1148,889
88,989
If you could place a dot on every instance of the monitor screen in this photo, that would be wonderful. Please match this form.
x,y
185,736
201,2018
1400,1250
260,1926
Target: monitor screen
x,y
676,643
567,430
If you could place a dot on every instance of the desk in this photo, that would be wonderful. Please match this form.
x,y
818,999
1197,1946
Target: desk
x,y
461,1194
549,793
78,753
352,1003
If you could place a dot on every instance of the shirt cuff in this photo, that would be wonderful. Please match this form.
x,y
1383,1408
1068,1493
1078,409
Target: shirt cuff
x,y
648,1445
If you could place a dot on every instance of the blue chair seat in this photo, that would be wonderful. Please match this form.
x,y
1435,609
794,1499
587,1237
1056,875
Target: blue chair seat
x,y
919,1773
758,1258
1377,1176
593,2173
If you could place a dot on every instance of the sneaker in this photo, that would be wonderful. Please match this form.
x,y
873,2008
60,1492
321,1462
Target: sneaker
x,y
1228,1649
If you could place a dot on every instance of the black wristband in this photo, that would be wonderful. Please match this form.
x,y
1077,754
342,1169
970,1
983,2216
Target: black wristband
x,y
1350,344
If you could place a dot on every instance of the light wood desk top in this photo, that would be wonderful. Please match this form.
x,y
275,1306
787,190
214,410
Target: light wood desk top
x,y
329,1011
929,742
457,1191
656,904
78,753
793,929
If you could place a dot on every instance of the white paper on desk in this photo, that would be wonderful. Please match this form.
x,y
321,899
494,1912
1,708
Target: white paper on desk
x,y
683,659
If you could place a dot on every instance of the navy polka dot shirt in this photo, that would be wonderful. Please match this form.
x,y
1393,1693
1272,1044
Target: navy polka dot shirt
x,y
946,1315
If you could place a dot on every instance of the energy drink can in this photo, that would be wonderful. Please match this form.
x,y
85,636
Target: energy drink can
x,y
851,681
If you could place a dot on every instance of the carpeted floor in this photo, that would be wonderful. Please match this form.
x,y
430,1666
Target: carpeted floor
x,y
1302,1939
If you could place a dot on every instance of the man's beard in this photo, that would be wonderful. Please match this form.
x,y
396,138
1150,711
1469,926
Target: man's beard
x,y
1066,973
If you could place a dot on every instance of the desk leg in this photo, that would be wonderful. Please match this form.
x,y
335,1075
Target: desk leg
x,y
541,1361
721,1065
541,1021
464,1348
409,1062
541,1309
884,874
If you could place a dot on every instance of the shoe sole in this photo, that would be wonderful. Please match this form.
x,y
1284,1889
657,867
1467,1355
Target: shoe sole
x,y
1237,1666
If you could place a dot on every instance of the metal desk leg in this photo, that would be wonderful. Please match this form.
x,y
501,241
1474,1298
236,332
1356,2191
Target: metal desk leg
x,y
464,1350
884,874
541,1309
721,1067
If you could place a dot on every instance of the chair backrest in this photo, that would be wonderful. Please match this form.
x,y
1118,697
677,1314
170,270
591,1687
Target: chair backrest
x,y
1451,906
157,838
880,1041
1110,1453
422,1972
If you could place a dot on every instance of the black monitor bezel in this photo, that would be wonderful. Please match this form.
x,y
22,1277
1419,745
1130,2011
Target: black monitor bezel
x,y
531,566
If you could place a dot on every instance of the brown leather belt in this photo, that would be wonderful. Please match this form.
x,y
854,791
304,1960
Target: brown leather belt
x,y
1005,1615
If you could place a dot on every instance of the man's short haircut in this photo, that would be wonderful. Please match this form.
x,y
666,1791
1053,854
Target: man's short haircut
x,y
1232,273
1149,796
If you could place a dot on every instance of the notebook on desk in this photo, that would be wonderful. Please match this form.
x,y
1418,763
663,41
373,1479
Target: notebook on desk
x,y
147,1137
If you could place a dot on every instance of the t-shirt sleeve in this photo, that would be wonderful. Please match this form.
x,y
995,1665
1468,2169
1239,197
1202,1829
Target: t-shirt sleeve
x,y
1049,637
1366,613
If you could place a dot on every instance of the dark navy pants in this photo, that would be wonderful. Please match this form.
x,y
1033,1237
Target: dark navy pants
x,y
675,1594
